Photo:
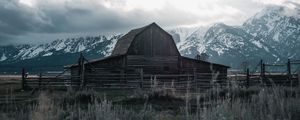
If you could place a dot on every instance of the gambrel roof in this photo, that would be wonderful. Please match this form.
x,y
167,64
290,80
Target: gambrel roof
x,y
124,42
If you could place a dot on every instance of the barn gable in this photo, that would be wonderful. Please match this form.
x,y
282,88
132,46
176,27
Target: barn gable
x,y
150,40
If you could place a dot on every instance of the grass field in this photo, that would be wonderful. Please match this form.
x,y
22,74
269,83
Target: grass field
x,y
233,103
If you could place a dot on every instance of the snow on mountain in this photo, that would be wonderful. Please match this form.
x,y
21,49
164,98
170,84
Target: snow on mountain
x,y
189,41
180,34
48,54
232,46
63,46
277,27
272,34
3,57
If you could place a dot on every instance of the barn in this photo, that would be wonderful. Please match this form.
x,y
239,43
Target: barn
x,y
149,49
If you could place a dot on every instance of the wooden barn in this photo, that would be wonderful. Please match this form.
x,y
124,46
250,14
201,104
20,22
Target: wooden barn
x,y
151,50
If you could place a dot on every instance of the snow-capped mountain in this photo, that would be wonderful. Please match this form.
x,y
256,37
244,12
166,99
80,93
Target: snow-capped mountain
x,y
279,27
102,45
232,46
57,53
272,34
180,34
191,40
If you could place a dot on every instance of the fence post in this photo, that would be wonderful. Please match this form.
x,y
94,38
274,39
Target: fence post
x,y
248,78
82,76
262,70
23,79
299,78
40,79
81,70
194,78
289,70
142,77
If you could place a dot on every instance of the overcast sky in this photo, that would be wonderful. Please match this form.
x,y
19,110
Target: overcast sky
x,y
36,21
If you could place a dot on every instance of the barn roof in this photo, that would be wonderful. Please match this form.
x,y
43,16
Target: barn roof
x,y
124,42
93,61
192,59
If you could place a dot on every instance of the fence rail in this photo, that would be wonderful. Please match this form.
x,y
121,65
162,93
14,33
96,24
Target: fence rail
x,y
117,77
147,81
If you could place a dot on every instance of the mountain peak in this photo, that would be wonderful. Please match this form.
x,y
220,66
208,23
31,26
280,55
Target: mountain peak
x,y
288,9
220,24
292,9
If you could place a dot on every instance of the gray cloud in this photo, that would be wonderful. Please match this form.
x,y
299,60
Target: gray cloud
x,y
18,20
42,19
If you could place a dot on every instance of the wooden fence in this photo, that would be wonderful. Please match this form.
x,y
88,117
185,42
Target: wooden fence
x,y
124,81
287,77
116,78
196,81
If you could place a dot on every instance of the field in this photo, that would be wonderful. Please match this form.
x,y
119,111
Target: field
x,y
227,103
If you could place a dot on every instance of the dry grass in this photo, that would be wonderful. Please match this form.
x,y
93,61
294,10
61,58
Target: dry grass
x,y
274,103
256,103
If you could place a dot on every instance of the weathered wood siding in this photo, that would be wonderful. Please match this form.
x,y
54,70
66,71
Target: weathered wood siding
x,y
108,65
154,64
198,66
201,66
118,61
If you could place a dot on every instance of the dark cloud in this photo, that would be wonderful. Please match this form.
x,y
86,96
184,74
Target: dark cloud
x,y
18,20
21,22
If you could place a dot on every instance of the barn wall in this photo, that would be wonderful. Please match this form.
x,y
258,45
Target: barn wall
x,y
202,67
110,65
74,71
112,62
155,64
222,71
